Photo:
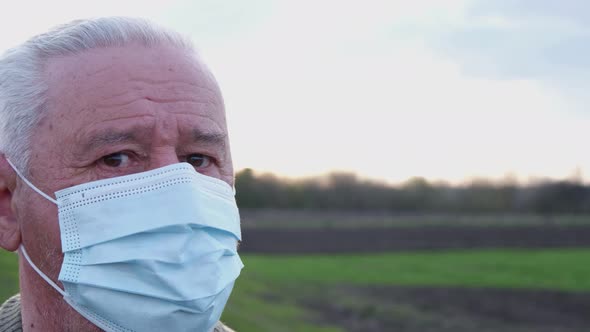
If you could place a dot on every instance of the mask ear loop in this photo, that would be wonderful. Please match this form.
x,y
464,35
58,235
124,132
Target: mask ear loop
x,y
41,274
49,198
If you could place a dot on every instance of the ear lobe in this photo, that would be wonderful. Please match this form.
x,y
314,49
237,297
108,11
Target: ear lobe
x,y
10,238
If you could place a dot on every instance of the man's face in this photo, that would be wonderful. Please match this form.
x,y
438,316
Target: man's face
x,y
113,112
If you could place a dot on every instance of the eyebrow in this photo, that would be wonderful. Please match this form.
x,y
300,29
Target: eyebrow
x,y
200,136
110,137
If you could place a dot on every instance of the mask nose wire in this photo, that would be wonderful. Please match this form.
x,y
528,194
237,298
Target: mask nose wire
x,y
49,198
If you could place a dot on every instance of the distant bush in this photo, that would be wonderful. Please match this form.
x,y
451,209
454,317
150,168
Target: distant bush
x,y
345,191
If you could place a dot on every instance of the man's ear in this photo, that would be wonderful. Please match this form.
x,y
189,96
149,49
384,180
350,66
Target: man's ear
x,y
10,238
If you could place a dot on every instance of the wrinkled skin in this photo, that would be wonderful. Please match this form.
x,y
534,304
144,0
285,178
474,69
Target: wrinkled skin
x,y
111,112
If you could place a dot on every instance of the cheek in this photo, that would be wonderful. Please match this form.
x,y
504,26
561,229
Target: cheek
x,y
226,171
227,175
40,231
213,172
224,174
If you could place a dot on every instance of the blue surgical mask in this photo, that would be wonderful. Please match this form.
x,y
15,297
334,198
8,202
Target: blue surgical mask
x,y
152,251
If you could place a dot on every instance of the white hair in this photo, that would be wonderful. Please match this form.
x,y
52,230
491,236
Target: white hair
x,y
22,86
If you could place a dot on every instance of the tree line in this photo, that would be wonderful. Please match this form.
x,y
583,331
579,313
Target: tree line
x,y
346,191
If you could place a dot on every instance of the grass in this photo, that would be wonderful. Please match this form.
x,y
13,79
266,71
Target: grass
x,y
8,274
557,269
267,295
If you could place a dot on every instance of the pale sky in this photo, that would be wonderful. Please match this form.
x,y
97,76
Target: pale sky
x,y
387,89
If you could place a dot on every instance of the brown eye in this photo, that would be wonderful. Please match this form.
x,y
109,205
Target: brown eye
x,y
198,160
116,159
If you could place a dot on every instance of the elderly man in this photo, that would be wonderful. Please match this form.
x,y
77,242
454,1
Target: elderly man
x,y
115,182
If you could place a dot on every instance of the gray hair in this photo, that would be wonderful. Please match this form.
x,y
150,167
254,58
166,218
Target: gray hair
x,y
22,86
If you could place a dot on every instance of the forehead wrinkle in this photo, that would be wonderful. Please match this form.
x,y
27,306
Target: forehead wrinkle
x,y
196,84
106,94
165,93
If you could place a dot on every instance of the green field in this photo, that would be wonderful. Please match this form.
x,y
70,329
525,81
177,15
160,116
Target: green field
x,y
272,293
268,294
8,274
